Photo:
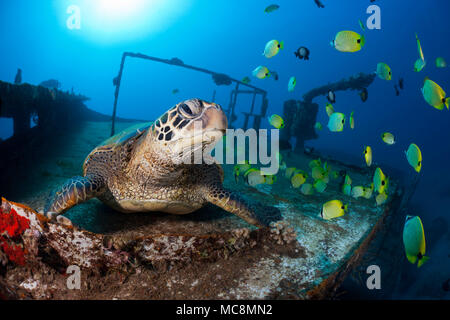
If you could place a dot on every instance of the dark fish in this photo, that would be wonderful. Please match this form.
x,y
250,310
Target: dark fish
x,y
319,4
271,8
397,93
400,83
275,75
331,96
221,79
18,78
246,80
364,94
176,61
302,53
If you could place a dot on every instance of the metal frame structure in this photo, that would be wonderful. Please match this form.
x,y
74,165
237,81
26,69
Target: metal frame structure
x,y
233,97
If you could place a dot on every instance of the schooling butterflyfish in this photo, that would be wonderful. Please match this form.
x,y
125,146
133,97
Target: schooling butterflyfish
x,y
333,209
318,126
380,181
347,179
388,138
318,173
419,49
357,191
352,120
384,71
261,72
291,84
368,155
348,41
298,179
270,179
315,163
254,177
331,96
347,189
242,167
419,65
434,95
276,121
307,189
289,172
336,122
440,62
368,191
361,25
414,156
414,241
320,186
302,53
364,94
272,48
381,198
271,8
329,109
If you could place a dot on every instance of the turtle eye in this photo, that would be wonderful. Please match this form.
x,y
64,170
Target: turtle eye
x,y
186,109
190,108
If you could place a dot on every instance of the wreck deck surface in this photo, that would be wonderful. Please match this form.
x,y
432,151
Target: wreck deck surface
x,y
325,249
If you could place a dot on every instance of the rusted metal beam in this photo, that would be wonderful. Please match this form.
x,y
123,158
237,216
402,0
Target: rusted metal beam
x,y
355,82
174,62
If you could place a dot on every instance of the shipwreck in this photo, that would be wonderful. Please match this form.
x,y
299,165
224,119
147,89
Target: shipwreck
x,y
209,254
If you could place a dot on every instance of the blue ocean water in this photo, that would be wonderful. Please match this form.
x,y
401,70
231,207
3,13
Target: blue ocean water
x,y
229,37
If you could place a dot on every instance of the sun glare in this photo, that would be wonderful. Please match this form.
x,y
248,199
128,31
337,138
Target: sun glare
x,y
121,9
109,21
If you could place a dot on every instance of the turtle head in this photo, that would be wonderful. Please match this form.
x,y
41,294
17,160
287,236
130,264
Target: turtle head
x,y
191,126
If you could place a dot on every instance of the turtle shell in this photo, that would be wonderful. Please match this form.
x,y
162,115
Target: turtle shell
x,y
126,134
118,139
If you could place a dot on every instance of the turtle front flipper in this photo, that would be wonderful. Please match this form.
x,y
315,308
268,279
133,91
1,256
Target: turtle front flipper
x,y
74,191
231,202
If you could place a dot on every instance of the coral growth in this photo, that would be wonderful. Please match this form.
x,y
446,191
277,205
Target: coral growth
x,y
14,252
12,226
282,233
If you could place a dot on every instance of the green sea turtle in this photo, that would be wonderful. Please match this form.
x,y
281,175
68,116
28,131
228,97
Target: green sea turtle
x,y
145,169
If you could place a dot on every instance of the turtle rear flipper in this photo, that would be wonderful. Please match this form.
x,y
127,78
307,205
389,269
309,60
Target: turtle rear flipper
x,y
232,203
74,191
